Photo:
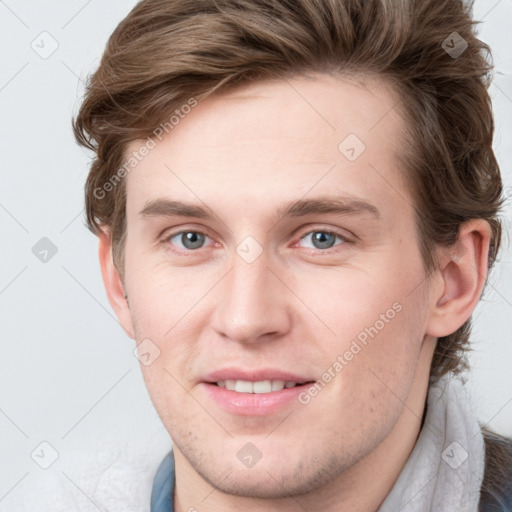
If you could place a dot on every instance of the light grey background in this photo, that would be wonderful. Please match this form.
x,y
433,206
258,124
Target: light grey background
x,y
68,376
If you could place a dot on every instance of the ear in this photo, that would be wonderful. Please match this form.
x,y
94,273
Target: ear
x,y
114,284
463,272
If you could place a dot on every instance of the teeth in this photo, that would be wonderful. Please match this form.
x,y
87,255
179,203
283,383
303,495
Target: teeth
x,y
262,386
243,386
277,385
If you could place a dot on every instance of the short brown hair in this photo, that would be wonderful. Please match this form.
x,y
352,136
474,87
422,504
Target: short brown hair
x,y
166,52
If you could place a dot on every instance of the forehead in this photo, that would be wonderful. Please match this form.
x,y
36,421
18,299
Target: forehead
x,y
276,140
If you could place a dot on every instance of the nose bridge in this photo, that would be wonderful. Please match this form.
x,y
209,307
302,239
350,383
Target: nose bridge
x,y
247,282
251,304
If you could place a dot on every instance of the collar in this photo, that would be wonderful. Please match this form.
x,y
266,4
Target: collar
x,y
163,486
445,469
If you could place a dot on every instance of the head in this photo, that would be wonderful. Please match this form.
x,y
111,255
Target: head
x,y
260,116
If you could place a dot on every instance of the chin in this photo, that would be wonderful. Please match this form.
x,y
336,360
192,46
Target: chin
x,y
274,478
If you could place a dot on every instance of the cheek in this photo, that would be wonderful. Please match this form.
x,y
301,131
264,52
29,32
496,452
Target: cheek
x,y
160,304
376,324
160,295
351,302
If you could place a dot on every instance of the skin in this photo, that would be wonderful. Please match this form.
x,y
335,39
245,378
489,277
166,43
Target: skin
x,y
296,307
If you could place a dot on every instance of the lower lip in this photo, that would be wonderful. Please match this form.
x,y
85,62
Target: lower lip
x,y
253,404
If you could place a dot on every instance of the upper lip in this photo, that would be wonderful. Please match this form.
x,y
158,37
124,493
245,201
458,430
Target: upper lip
x,y
255,375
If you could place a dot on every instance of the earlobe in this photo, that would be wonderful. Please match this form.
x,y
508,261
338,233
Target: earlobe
x,y
114,285
463,271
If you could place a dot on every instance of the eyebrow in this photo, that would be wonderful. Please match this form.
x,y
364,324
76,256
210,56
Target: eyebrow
x,y
162,207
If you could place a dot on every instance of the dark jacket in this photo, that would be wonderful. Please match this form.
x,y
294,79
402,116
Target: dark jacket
x,y
496,490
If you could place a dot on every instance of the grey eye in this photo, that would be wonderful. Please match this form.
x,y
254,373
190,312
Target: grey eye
x,y
189,239
323,239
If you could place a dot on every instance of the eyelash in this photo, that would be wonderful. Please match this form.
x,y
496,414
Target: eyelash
x,y
166,240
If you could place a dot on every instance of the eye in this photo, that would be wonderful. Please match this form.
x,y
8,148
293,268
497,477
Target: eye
x,y
189,240
323,239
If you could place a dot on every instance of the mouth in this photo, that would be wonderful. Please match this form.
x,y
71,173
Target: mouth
x,y
254,393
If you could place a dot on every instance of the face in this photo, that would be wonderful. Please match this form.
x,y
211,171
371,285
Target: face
x,y
271,242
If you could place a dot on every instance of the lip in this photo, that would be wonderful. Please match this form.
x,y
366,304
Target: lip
x,y
253,404
255,375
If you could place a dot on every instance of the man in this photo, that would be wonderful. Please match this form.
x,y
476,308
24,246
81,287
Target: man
x,y
296,204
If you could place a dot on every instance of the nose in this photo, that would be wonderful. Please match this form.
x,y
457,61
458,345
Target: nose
x,y
253,303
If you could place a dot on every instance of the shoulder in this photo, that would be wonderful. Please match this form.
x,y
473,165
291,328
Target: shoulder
x,y
496,490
